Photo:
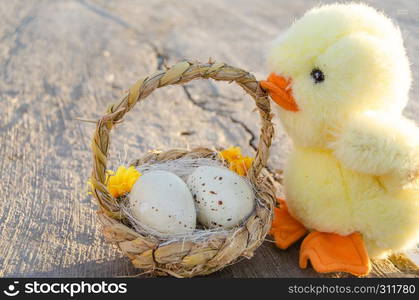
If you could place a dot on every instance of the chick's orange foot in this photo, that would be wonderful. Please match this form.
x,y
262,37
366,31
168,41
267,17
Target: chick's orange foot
x,y
330,252
285,229
327,252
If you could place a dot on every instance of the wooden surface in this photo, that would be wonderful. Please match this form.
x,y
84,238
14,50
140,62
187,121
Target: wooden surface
x,y
62,60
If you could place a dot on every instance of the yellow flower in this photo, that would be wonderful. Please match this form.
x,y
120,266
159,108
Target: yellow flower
x,y
237,162
240,166
121,182
231,154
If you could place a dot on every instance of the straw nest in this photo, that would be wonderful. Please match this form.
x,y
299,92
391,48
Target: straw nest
x,y
189,257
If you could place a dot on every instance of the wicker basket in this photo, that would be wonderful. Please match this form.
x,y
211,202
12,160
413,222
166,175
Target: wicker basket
x,y
186,258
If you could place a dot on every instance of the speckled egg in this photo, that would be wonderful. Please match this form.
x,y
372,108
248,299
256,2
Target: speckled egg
x,y
223,199
161,201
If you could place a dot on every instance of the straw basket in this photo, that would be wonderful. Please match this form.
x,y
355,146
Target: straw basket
x,y
184,258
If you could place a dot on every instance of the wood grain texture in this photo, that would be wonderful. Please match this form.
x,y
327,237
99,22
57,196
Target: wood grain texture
x,y
62,60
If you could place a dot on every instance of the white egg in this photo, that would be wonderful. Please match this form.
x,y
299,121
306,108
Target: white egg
x,y
162,201
223,198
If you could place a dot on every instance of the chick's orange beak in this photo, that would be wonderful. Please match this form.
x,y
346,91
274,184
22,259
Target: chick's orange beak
x,y
279,88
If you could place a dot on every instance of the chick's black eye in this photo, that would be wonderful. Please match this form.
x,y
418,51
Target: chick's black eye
x,y
317,75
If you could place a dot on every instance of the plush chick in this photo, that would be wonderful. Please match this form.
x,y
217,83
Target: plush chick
x,y
340,76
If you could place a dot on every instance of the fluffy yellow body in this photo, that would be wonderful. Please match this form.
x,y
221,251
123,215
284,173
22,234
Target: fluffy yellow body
x,y
325,196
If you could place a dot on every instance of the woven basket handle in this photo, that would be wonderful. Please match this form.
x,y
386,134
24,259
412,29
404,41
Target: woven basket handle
x,y
180,73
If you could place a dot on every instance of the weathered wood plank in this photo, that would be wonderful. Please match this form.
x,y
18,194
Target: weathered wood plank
x,y
60,60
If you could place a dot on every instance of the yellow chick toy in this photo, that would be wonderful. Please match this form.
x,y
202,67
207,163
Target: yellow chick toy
x,y
341,79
